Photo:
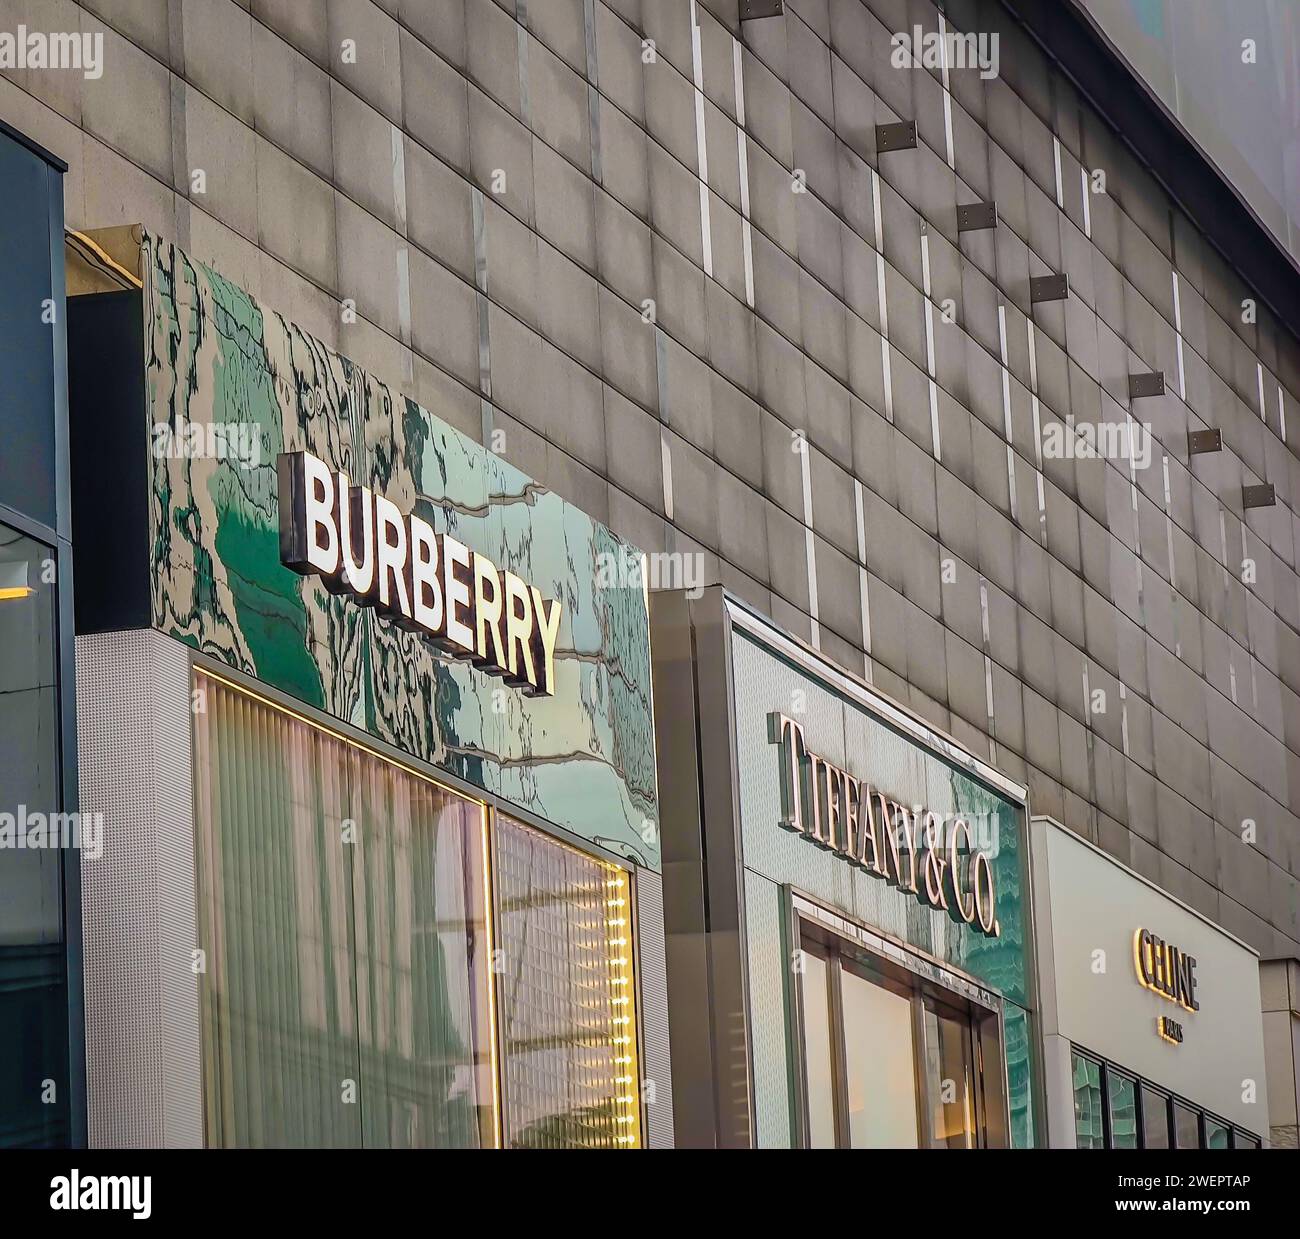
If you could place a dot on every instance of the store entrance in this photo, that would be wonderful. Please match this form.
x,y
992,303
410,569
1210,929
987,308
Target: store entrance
x,y
891,1059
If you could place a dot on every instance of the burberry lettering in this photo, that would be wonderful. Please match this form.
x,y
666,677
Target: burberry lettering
x,y
359,543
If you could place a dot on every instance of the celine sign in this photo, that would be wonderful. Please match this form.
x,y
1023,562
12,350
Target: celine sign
x,y
361,544
1165,970
916,849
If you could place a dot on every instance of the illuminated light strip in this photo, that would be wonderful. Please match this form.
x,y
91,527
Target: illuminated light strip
x,y
1038,435
701,144
929,339
494,1053
742,153
947,91
809,542
1178,339
881,296
1006,407
864,600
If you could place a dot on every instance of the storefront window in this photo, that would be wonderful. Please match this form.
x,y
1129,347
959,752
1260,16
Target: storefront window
x,y
1123,1111
1155,1119
879,1059
344,998
1089,1132
817,1051
890,1060
33,968
348,939
1187,1127
1216,1134
1192,1128
567,996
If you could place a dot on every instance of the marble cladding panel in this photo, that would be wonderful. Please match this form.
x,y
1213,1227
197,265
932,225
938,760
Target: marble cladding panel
x,y
221,365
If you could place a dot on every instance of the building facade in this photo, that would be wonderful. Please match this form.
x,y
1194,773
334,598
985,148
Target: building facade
x,y
373,748
944,356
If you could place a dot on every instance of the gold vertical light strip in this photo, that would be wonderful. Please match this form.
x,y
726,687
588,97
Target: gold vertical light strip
x,y
494,1057
623,1017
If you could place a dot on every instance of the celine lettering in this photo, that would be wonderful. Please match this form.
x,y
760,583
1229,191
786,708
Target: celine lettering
x,y
914,849
359,543
1165,970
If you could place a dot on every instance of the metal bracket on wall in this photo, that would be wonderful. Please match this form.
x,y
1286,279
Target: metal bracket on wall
x,y
1261,496
1049,288
976,216
900,136
1199,441
751,10
1140,385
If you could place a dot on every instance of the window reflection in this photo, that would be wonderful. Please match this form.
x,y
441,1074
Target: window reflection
x,y
1155,1119
33,966
1089,1132
1123,1111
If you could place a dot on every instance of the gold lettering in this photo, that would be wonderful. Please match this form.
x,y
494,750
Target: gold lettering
x,y
789,735
959,828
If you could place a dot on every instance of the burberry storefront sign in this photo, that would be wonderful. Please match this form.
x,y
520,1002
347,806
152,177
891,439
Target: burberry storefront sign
x,y
360,543
928,854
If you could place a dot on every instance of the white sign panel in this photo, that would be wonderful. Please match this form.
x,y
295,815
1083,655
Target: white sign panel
x,y
1141,980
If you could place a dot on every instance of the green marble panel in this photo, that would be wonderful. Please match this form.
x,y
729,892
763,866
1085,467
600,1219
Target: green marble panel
x,y
582,758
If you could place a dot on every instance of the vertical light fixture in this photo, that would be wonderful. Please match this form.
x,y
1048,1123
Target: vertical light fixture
x,y
627,1084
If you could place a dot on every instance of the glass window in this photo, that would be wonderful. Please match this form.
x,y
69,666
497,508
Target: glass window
x,y
567,998
342,909
33,962
1155,1119
1243,1139
950,1078
818,1071
891,1060
1123,1110
1089,1130
1187,1127
1216,1134
880,1083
